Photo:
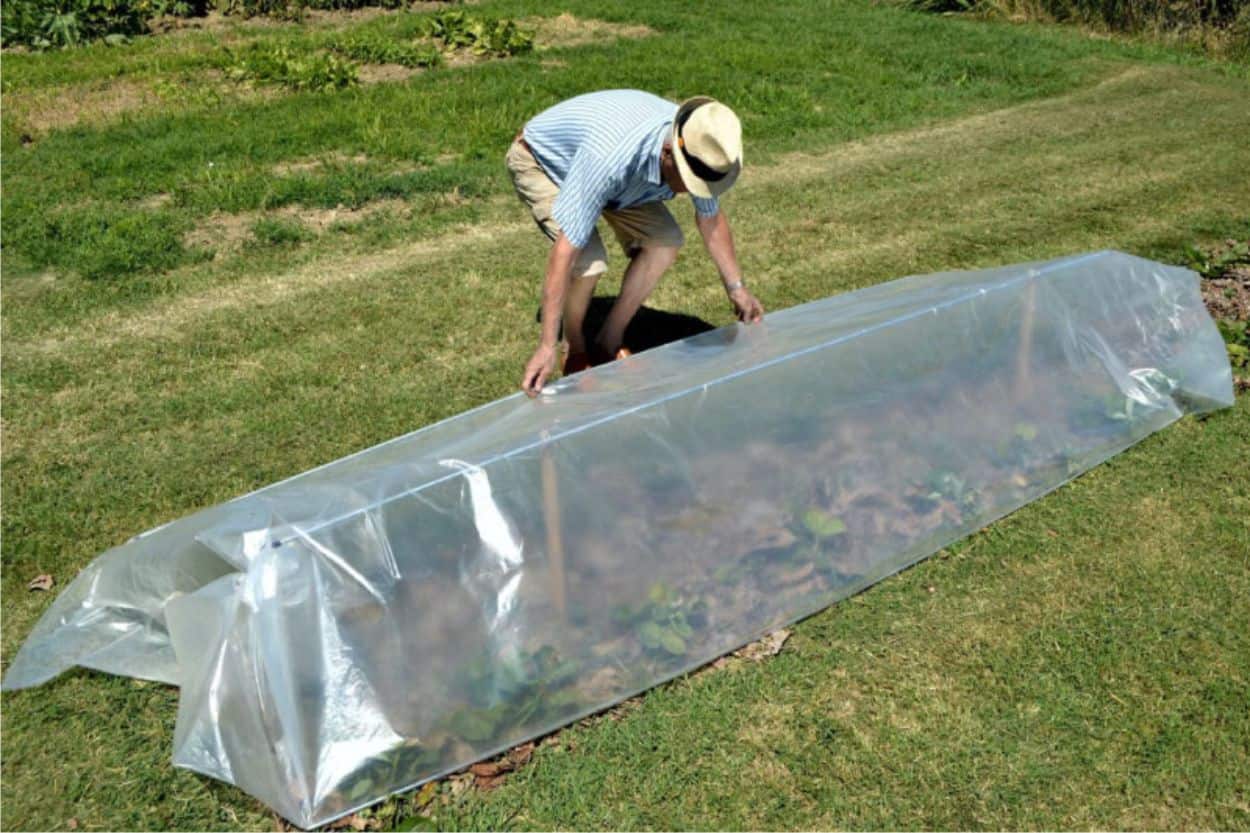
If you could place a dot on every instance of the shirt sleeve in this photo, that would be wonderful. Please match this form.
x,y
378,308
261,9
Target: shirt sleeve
x,y
706,208
583,195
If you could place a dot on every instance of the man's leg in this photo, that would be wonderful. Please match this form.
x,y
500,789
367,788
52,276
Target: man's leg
x,y
576,302
651,238
641,276
539,192
589,267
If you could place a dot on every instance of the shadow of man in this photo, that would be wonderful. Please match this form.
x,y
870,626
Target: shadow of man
x,y
649,327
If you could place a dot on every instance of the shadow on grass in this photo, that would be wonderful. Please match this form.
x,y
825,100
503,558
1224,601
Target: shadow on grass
x,y
649,327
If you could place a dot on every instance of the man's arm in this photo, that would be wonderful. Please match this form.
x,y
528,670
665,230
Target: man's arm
x,y
719,242
555,285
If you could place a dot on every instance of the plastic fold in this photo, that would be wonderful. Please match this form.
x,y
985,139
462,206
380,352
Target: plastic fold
x,y
405,611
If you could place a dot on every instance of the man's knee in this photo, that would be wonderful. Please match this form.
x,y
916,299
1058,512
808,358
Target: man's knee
x,y
664,255
669,236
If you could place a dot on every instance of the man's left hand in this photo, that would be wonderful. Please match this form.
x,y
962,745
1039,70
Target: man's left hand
x,y
746,306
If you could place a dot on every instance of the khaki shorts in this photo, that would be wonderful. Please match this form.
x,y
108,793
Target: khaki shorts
x,y
636,228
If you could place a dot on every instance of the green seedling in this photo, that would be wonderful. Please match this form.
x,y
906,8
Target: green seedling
x,y
510,692
664,623
821,524
1025,431
1238,356
950,486
1218,263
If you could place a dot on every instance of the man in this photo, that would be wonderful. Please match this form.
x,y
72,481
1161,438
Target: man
x,y
620,154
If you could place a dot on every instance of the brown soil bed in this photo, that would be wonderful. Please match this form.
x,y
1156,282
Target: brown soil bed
x,y
1228,296
225,234
567,30
42,110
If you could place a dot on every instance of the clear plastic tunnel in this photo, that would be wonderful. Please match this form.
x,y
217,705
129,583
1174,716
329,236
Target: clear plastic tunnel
x,y
402,612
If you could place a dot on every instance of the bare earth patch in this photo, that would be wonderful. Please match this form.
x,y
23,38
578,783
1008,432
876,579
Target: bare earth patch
x,y
45,109
154,201
567,30
215,22
323,219
385,73
226,234
39,111
1228,296
338,159
309,164
223,233
321,18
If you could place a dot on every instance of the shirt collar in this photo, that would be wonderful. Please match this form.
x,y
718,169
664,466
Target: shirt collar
x,y
656,145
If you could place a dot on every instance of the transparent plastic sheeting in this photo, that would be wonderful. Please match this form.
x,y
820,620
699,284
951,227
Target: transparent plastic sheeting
x,y
404,611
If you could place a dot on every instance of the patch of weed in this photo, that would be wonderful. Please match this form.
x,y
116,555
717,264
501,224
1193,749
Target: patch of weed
x,y
376,48
105,243
292,68
457,29
280,231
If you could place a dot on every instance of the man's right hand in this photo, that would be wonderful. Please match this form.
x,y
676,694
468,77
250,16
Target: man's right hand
x,y
541,365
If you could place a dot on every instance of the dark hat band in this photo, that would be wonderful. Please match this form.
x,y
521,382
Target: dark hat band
x,y
697,165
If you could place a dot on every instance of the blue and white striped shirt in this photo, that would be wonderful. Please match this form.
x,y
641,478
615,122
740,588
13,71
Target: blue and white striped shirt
x,y
603,150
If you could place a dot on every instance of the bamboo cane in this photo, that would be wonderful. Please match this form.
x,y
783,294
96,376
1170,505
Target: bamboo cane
x,y
1025,351
555,533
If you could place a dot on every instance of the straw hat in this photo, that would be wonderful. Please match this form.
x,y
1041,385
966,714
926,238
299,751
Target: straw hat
x,y
707,146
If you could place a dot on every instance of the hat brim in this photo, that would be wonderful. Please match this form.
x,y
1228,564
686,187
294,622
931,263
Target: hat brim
x,y
699,187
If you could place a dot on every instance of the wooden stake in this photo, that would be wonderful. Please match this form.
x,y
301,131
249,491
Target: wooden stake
x,y
555,533
1025,350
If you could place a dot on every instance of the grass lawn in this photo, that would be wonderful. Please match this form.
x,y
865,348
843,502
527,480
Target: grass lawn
x,y
209,288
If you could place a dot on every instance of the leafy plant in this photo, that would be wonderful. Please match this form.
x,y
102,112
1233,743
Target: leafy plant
x,y
457,29
58,24
1217,263
274,64
821,524
376,49
512,691
1238,355
53,24
1025,431
1236,336
664,623
950,486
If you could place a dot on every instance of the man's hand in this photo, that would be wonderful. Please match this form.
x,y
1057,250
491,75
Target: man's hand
x,y
747,307
540,366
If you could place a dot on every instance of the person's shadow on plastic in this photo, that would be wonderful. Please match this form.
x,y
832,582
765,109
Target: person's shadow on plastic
x,y
650,327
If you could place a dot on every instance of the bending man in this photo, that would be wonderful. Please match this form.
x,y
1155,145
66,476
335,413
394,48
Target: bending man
x,y
621,154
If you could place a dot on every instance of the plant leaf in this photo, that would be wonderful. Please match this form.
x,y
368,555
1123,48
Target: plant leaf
x,y
822,524
1026,431
673,643
651,635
